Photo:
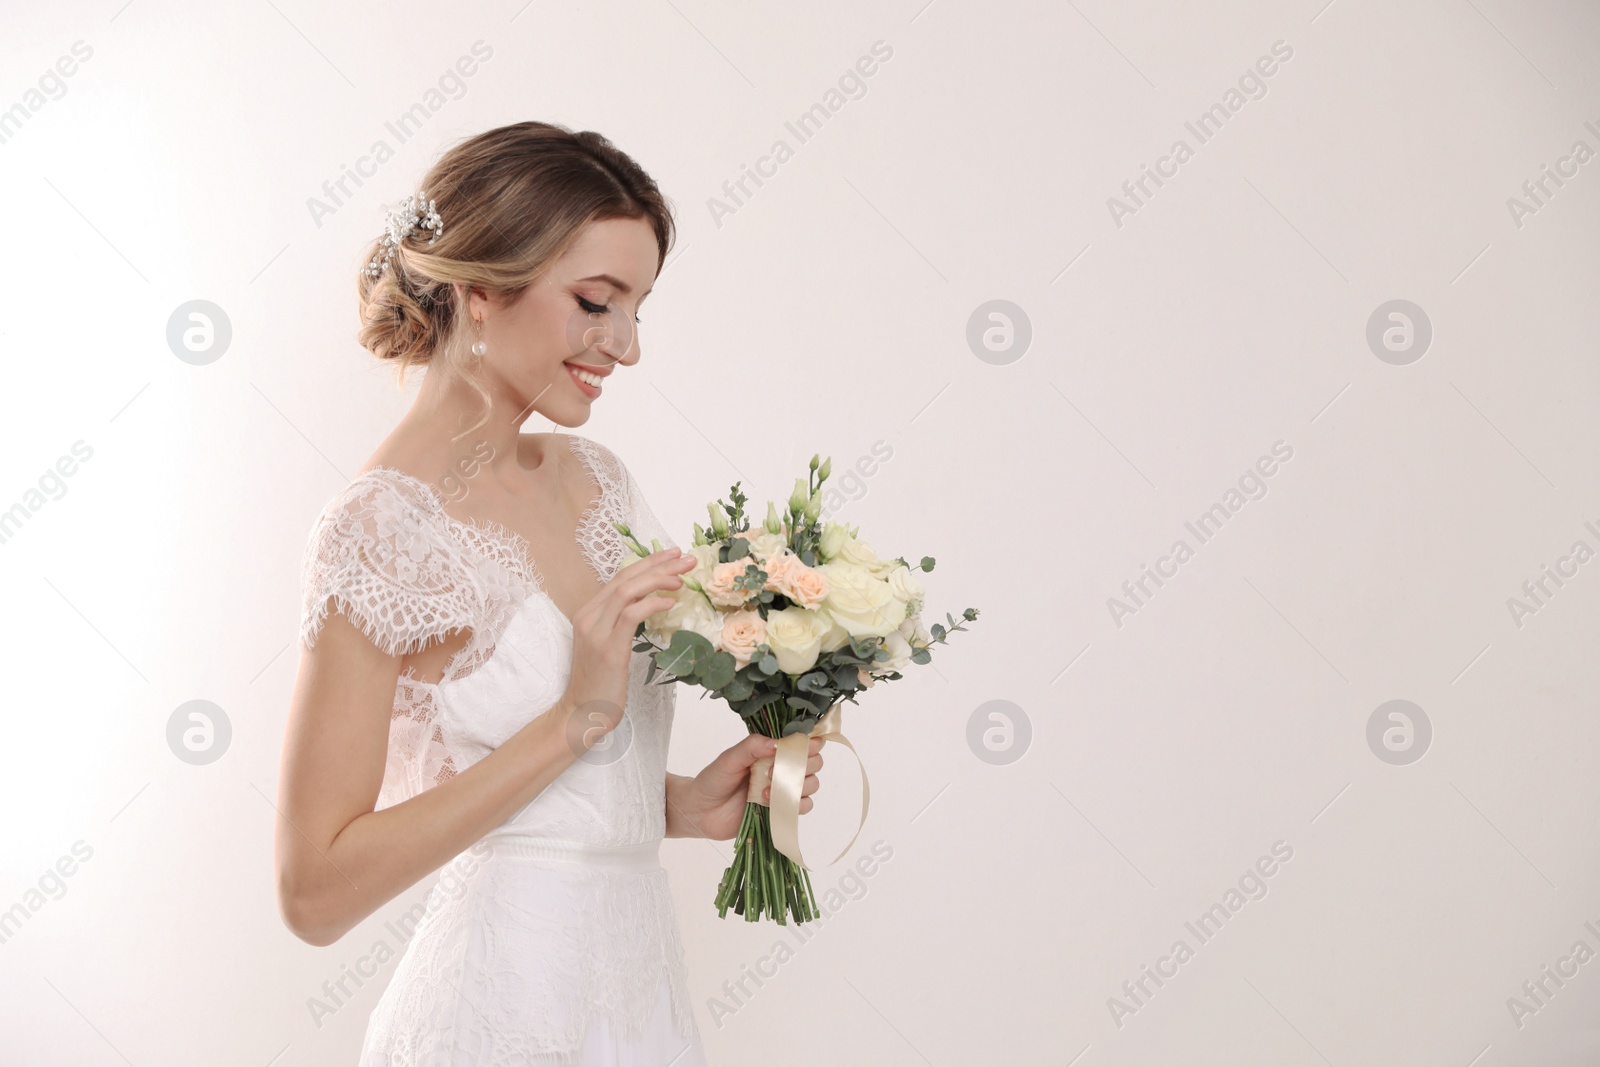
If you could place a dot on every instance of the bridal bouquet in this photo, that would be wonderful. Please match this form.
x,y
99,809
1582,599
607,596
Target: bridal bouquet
x,y
785,622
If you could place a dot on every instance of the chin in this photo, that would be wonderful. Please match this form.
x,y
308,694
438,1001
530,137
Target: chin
x,y
569,416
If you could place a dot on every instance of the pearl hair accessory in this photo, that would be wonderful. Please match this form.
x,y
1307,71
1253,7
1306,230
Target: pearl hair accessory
x,y
403,221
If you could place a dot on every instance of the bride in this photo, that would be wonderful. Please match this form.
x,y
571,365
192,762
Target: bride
x,y
467,694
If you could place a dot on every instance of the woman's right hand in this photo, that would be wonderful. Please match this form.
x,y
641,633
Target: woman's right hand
x,y
602,642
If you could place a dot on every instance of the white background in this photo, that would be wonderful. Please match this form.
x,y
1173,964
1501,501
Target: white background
x,y
827,313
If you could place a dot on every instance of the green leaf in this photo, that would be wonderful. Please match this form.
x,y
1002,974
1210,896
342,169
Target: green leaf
x,y
717,670
684,653
803,704
768,664
811,681
927,563
802,725
921,656
738,548
938,631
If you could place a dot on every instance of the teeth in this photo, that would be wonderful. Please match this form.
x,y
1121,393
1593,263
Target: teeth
x,y
585,376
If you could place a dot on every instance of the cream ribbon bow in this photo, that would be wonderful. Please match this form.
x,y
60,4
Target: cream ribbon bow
x,y
786,773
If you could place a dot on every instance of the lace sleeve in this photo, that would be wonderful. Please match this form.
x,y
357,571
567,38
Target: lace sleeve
x,y
380,554
641,519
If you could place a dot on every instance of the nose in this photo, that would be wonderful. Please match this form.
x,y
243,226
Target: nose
x,y
612,339
618,340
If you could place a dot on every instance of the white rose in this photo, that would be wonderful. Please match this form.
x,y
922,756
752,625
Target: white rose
x,y
854,550
836,636
765,545
688,613
705,558
859,601
795,637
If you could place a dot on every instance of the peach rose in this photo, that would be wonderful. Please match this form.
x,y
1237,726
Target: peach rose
x,y
777,565
721,588
742,631
804,585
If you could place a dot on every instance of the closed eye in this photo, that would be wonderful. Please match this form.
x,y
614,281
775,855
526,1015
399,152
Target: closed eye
x,y
599,309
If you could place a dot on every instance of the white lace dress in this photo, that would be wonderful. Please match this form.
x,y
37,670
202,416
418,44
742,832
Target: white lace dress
x,y
561,946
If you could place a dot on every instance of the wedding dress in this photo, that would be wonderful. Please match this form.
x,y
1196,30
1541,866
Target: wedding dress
x,y
561,946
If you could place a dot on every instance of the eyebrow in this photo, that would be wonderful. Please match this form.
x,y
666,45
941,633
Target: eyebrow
x,y
617,283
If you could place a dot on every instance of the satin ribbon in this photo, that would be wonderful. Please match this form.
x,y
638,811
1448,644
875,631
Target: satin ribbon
x,y
786,773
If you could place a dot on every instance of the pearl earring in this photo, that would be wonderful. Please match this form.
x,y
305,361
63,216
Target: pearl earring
x,y
478,346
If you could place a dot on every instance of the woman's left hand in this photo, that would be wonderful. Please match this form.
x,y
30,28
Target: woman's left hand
x,y
711,804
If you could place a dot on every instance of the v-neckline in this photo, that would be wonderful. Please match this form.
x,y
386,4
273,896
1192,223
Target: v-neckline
x,y
511,540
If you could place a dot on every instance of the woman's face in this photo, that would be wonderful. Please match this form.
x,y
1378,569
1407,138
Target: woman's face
x,y
580,316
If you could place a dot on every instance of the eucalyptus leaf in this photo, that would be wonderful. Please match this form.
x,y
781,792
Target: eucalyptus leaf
x,y
802,725
811,681
716,670
684,653
803,704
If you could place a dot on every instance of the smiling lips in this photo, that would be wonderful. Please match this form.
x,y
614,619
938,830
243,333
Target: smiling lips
x,y
587,378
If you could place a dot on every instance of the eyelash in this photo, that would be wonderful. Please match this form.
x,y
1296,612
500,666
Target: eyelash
x,y
600,309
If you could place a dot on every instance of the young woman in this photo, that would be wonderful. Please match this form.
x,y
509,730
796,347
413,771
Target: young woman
x,y
467,697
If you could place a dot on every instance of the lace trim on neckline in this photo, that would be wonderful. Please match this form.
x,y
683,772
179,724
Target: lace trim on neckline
x,y
512,542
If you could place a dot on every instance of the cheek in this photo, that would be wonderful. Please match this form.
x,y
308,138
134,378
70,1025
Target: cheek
x,y
542,335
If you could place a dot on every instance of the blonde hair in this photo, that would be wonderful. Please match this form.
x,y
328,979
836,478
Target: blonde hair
x,y
512,199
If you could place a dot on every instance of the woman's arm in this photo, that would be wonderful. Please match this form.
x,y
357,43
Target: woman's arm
x,y
338,860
